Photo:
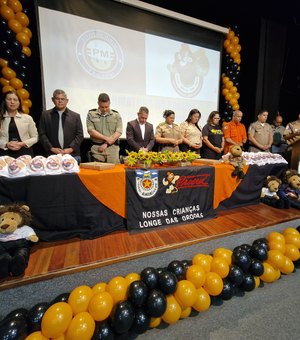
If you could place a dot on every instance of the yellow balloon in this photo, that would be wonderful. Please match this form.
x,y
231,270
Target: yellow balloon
x,y
203,261
224,253
15,5
79,299
15,25
288,266
203,300
131,277
6,12
213,284
173,310
27,31
100,306
99,287
269,273
185,293
278,245
8,73
257,281
220,266
23,39
233,89
293,239
25,109
22,18
38,335
290,230
275,258
27,102
292,252
3,62
26,50
226,43
230,34
82,327
16,83
7,88
236,107
56,319
117,287
229,84
155,322
196,275
185,313
4,81
276,236
23,93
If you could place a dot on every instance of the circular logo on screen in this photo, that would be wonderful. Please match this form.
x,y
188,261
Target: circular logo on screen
x,y
99,54
188,70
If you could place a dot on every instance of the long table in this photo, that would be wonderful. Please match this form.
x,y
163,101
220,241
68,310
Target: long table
x,y
92,203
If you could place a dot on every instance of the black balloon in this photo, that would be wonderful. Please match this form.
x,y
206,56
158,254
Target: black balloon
x,y
236,275
256,267
187,263
228,290
156,303
122,317
23,58
149,275
8,54
141,321
13,329
248,283
16,46
177,268
167,282
16,65
160,270
60,298
23,76
261,241
10,35
20,313
35,316
242,259
103,331
259,251
137,293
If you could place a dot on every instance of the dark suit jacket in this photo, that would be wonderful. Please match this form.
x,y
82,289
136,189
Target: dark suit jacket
x,y
72,126
134,136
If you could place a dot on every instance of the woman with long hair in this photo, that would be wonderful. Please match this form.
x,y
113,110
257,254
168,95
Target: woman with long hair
x,y
18,132
191,132
213,138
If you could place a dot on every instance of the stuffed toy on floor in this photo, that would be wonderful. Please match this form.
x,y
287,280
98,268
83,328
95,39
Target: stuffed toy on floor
x,y
269,193
291,187
15,239
235,158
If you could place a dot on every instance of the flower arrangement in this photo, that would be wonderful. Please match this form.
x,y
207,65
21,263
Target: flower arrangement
x,y
151,157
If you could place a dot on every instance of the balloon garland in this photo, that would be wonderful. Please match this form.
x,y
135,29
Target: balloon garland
x,y
140,301
230,78
16,51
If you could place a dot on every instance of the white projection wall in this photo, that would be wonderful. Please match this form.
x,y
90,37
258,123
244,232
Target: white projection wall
x,y
86,57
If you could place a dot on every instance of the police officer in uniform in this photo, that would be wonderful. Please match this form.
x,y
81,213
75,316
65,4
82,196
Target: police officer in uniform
x,y
260,134
104,125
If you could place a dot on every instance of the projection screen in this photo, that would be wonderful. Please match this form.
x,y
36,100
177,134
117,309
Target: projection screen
x,y
139,56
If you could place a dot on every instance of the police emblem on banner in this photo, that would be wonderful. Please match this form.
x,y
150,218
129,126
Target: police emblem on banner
x,y
146,183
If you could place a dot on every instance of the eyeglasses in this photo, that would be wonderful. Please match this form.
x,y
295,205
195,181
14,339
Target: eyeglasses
x,y
217,118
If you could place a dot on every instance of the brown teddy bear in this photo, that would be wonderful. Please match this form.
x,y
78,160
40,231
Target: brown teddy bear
x,y
15,239
291,187
236,159
269,193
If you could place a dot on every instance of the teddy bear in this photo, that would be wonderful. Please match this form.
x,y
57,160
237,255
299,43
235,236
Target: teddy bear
x,y
15,239
290,188
235,158
170,181
269,193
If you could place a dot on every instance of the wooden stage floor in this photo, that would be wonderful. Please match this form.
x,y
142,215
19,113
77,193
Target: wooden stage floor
x,y
48,260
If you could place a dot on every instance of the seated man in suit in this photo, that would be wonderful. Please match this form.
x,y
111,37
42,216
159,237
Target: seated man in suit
x,y
139,133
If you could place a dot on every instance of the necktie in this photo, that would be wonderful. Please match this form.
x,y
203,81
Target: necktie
x,y
60,131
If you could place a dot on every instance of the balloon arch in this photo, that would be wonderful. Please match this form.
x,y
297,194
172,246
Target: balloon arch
x,y
15,50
